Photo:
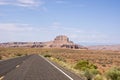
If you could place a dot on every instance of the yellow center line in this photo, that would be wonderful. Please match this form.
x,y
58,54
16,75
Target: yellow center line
x,y
17,66
1,78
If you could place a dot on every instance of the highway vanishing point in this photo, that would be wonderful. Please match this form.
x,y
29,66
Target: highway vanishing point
x,y
33,67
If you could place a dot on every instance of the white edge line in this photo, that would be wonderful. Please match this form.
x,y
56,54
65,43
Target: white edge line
x,y
58,68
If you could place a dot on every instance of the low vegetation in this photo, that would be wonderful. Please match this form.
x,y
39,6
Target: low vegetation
x,y
47,55
83,65
113,73
89,69
94,65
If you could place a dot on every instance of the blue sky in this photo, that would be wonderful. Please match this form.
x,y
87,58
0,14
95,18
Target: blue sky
x,y
84,21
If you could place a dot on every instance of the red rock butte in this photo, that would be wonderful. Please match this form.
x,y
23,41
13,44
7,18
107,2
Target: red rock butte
x,y
60,41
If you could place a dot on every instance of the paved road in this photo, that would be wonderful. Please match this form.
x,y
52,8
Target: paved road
x,y
36,68
8,65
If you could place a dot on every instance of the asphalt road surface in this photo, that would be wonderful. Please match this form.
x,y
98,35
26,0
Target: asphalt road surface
x,y
8,65
33,67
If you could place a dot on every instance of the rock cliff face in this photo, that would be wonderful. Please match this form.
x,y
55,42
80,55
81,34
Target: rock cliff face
x,y
61,41
64,42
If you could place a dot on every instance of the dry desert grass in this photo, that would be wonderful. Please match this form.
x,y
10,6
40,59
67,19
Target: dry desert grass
x,y
103,59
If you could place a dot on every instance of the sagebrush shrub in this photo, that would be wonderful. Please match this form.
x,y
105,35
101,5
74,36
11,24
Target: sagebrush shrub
x,y
113,74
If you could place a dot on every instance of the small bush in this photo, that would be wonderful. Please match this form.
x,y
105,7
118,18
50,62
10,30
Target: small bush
x,y
18,54
83,65
98,77
0,57
94,71
90,70
61,59
47,55
88,75
113,74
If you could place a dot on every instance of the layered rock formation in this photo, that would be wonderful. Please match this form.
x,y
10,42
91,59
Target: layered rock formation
x,y
59,42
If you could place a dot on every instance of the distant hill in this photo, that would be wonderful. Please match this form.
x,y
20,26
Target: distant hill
x,y
105,47
60,41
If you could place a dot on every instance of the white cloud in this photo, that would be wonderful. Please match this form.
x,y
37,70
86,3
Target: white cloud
x,y
26,32
14,27
3,2
29,3
22,3
79,35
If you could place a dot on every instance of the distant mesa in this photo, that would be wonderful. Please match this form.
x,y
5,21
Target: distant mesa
x,y
105,47
60,41
63,41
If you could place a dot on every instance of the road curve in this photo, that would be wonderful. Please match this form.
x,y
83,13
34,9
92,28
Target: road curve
x,y
36,68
